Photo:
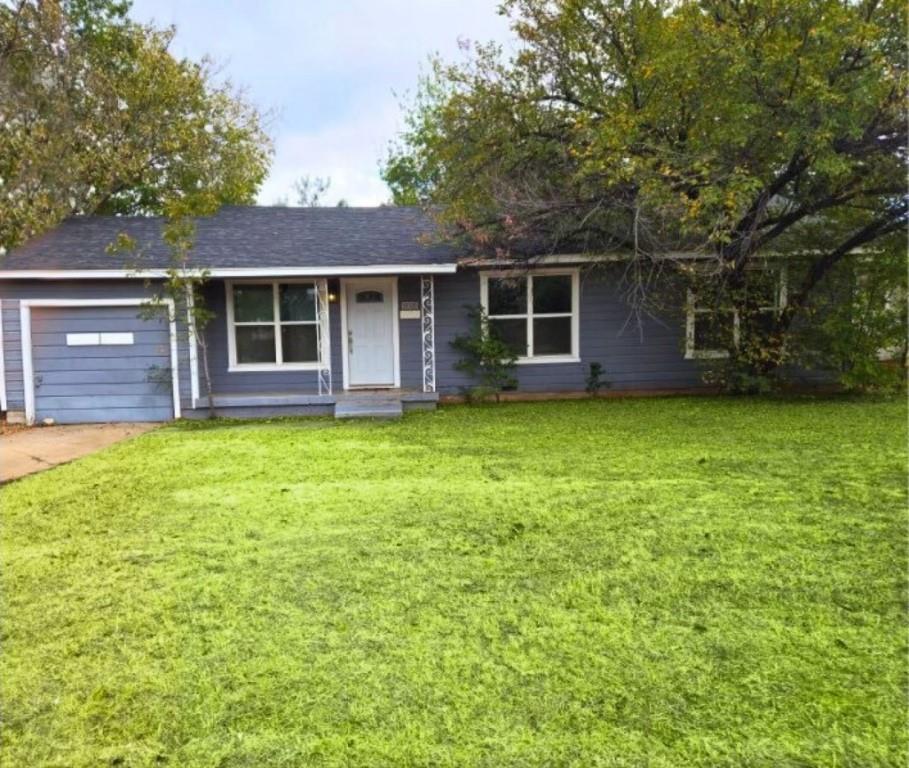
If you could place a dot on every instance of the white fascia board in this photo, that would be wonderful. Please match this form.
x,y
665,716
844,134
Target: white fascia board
x,y
556,259
235,272
612,257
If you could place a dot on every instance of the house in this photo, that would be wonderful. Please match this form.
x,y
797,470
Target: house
x,y
317,310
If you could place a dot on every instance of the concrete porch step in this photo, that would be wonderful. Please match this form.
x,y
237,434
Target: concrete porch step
x,y
368,408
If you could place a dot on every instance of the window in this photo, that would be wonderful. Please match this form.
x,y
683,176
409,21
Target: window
x,y
535,313
97,339
710,332
273,325
370,297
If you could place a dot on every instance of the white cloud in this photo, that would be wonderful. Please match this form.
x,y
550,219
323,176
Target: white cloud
x,y
331,71
347,151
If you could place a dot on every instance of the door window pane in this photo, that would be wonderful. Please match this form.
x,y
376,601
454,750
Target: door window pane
x,y
299,343
255,343
512,332
552,336
253,303
552,294
507,296
370,297
298,301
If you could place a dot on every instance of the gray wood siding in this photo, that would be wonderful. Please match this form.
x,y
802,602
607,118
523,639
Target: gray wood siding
x,y
653,358
12,355
12,291
410,336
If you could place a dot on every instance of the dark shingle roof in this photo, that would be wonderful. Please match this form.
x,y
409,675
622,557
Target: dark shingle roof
x,y
247,237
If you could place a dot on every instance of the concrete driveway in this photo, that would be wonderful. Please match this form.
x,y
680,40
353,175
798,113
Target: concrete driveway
x,y
24,451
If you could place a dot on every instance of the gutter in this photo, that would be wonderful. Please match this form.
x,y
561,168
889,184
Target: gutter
x,y
229,272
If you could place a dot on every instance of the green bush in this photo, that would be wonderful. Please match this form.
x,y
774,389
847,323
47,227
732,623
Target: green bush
x,y
595,381
485,357
857,327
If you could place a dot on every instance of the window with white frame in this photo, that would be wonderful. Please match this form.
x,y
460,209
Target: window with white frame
x,y
711,331
535,313
273,324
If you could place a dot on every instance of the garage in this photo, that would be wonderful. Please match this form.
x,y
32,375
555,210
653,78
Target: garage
x,y
98,363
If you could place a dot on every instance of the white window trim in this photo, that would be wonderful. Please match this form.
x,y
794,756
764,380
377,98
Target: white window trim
x,y
396,333
891,303
691,352
193,335
692,311
574,274
25,329
233,366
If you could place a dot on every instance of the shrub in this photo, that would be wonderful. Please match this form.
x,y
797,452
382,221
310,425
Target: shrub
x,y
595,381
485,358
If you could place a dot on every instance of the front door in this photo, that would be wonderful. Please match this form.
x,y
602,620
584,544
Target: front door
x,y
370,332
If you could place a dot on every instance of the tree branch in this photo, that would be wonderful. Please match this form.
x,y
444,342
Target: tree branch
x,y
892,221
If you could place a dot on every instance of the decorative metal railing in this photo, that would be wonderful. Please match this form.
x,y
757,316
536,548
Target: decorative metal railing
x,y
324,338
427,318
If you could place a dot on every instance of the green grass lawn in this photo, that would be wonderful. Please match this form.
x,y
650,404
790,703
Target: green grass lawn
x,y
678,582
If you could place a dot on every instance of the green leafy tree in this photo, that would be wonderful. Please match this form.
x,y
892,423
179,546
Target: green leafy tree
x,y
99,116
858,326
730,129
402,176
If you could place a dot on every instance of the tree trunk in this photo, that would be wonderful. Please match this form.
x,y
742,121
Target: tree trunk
x,y
203,348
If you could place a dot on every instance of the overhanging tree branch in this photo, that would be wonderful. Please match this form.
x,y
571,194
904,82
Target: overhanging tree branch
x,y
892,221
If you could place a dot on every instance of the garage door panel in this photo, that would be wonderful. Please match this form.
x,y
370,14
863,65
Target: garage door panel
x,y
87,324
100,382
94,376
94,415
92,363
104,388
134,351
105,402
127,313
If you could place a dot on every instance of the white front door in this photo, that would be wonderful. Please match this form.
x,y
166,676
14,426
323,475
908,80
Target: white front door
x,y
370,332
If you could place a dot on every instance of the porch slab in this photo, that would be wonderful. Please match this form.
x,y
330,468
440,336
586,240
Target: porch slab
x,y
281,399
365,403
266,400
351,408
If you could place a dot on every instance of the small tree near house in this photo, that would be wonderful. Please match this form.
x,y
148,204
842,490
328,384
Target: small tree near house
x,y
485,358
182,286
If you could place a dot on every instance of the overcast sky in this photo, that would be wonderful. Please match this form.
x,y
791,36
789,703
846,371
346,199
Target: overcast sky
x,y
329,69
